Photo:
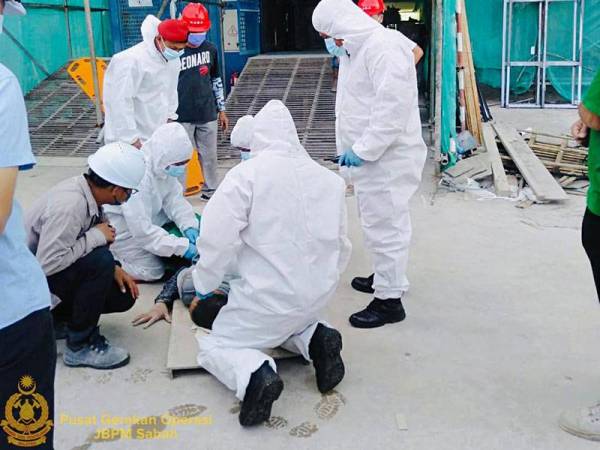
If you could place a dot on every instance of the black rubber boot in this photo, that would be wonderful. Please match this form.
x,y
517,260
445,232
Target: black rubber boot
x,y
324,350
378,313
362,284
264,388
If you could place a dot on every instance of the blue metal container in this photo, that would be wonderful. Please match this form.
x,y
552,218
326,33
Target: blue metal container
x,y
241,35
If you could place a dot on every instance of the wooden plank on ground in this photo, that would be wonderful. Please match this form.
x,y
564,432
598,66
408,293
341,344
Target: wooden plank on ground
x,y
183,345
471,91
501,184
469,166
542,183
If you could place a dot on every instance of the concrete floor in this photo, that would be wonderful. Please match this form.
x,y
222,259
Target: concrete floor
x,y
501,335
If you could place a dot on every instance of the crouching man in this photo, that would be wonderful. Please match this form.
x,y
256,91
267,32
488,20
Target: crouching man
x,y
278,221
69,235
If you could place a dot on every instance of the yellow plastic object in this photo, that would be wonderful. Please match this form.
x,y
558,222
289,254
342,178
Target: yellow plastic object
x,y
81,72
194,179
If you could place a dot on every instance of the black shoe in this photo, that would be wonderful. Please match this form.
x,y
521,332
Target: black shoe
x,y
264,388
324,350
378,313
362,284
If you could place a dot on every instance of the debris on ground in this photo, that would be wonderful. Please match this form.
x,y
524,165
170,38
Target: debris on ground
x,y
543,184
526,167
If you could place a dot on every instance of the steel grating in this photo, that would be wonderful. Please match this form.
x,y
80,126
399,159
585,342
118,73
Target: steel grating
x,y
62,119
303,83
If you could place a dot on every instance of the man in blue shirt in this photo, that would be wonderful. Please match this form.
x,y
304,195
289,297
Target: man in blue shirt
x,y
27,344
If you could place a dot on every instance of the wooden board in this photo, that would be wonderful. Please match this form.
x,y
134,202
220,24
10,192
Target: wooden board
x,y
542,183
475,167
501,184
471,91
183,345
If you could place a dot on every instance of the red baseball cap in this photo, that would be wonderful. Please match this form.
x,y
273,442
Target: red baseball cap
x,y
174,30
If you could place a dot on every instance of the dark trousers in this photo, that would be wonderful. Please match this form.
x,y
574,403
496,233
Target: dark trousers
x,y
27,347
87,289
590,237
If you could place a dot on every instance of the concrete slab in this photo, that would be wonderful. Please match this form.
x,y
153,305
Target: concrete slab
x,y
502,334
183,343
551,121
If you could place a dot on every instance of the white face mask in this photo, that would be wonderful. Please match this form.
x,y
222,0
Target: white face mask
x,y
1,23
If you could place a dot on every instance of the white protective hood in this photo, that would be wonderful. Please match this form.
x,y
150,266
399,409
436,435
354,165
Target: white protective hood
x,y
149,30
169,144
342,19
241,135
274,130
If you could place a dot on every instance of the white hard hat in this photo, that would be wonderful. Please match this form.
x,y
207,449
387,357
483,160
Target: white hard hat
x,y
14,8
120,164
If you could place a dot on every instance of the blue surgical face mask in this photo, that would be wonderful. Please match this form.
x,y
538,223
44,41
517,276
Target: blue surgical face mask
x,y
196,39
334,49
245,155
175,171
169,53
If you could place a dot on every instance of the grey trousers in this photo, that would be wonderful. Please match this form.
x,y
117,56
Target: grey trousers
x,y
204,139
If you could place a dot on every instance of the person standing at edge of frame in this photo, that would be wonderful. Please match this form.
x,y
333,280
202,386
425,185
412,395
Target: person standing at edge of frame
x,y
27,344
585,422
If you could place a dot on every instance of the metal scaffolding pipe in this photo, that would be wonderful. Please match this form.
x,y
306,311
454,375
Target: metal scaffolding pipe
x,y
437,130
96,83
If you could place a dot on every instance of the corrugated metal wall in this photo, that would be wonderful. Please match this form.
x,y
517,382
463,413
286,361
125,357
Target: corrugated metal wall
x,y
52,33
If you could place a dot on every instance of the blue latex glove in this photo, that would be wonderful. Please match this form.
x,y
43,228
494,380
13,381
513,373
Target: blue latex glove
x,y
203,297
191,253
349,159
192,234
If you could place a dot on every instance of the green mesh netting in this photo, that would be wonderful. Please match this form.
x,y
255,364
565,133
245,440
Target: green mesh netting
x,y
448,125
485,24
53,35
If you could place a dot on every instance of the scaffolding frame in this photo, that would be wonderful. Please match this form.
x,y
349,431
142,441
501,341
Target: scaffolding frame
x,y
541,62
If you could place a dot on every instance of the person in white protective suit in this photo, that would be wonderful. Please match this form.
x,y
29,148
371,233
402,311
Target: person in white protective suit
x,y
140,83
381,149
141,242
181,286
280,219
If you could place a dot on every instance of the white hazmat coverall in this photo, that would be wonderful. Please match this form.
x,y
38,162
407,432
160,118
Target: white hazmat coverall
x,y
282,218
140,89
140,239
378,118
